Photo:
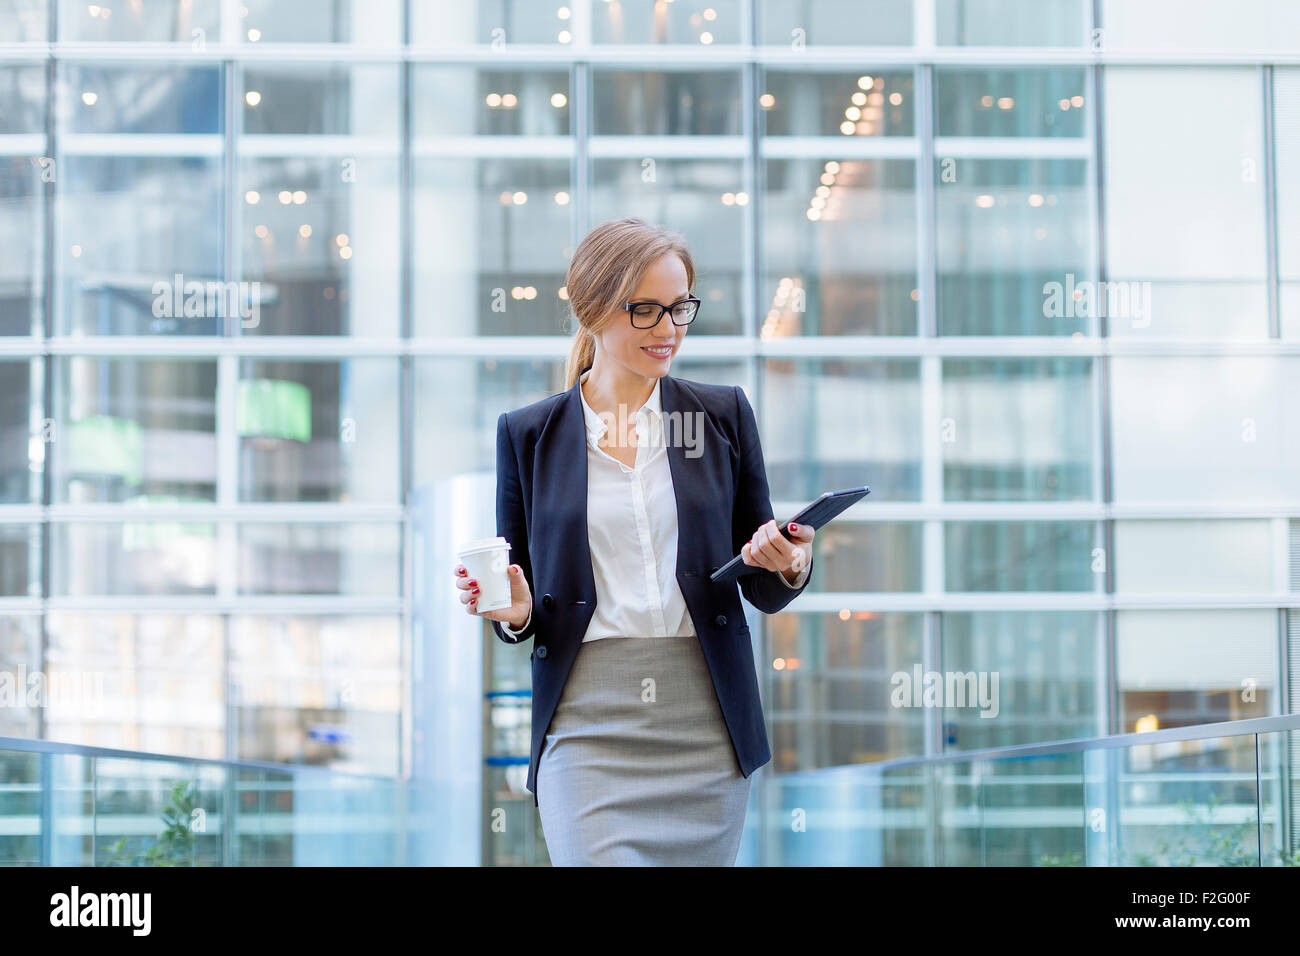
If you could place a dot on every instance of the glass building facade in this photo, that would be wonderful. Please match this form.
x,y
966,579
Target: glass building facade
x,y
1028,268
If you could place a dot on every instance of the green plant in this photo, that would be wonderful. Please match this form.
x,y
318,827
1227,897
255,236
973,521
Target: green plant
x,y
1070,858
175,846
1197,843
1200,842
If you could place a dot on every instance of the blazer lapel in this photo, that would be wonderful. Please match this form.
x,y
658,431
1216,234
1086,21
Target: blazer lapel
x,y
569,482
675,399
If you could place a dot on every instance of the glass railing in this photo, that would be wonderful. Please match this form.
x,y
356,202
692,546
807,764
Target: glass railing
x,y
1225,794
65,805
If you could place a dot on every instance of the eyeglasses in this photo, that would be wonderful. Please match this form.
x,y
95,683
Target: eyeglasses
x,y
646,315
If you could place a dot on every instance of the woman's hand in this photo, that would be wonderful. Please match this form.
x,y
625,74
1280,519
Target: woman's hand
x,y
770,549
521,597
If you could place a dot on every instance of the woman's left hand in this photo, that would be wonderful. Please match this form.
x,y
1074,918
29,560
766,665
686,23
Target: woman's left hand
x,y
770,549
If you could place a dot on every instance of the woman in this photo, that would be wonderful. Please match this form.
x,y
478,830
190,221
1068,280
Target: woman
x,y
619,498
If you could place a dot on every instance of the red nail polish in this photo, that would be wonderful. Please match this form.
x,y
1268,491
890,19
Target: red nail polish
x,y
794,528
474,591
473,584
460,571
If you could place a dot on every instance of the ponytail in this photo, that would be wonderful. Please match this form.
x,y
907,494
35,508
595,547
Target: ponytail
x,y
581,355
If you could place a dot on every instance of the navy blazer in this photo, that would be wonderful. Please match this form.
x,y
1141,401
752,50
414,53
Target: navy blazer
x,y
722,498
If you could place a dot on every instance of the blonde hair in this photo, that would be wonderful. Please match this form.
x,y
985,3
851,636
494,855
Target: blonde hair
x,y
604,271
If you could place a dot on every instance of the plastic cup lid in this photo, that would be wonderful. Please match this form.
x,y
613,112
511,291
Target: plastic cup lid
x,y
484,544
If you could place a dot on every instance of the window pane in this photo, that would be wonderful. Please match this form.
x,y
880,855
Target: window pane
x,y
151,682
1194,557
120,804
490,246
627,103
110,259
840,247
126,273
1010,230
1289,308
22,447
155,21
464,101
130,429
1022,556
1160,25
365,22
1178,668
865,556
444,23
1038,806
22,232
836,104
830,689
492,230
329,100
24,21
797,23
134,557
1286,128
711,371
1218,428
458,402
319,558
20,562
20,652
1011,22
1184,211
103,98
1017,429
319,238
318,690
1009,103
653,21
704,200
318,430
839,423
1050,677
22,97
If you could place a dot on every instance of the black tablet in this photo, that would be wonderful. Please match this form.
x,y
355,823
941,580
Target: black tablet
x,y
820,512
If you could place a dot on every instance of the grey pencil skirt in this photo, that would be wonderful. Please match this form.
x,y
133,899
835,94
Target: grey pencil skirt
x,y
637,768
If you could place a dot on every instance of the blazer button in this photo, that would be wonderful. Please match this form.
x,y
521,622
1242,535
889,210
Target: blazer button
x,y
720,620
548,602
541,651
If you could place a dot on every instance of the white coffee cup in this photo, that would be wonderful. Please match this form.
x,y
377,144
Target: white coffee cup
x,y
487,561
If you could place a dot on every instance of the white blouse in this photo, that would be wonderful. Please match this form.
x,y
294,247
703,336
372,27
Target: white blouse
x,y
632,534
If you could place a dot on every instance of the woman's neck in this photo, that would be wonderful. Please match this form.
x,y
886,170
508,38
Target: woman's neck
x,y
605,392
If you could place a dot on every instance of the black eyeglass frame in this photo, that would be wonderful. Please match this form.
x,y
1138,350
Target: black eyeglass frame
x,y
629,306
